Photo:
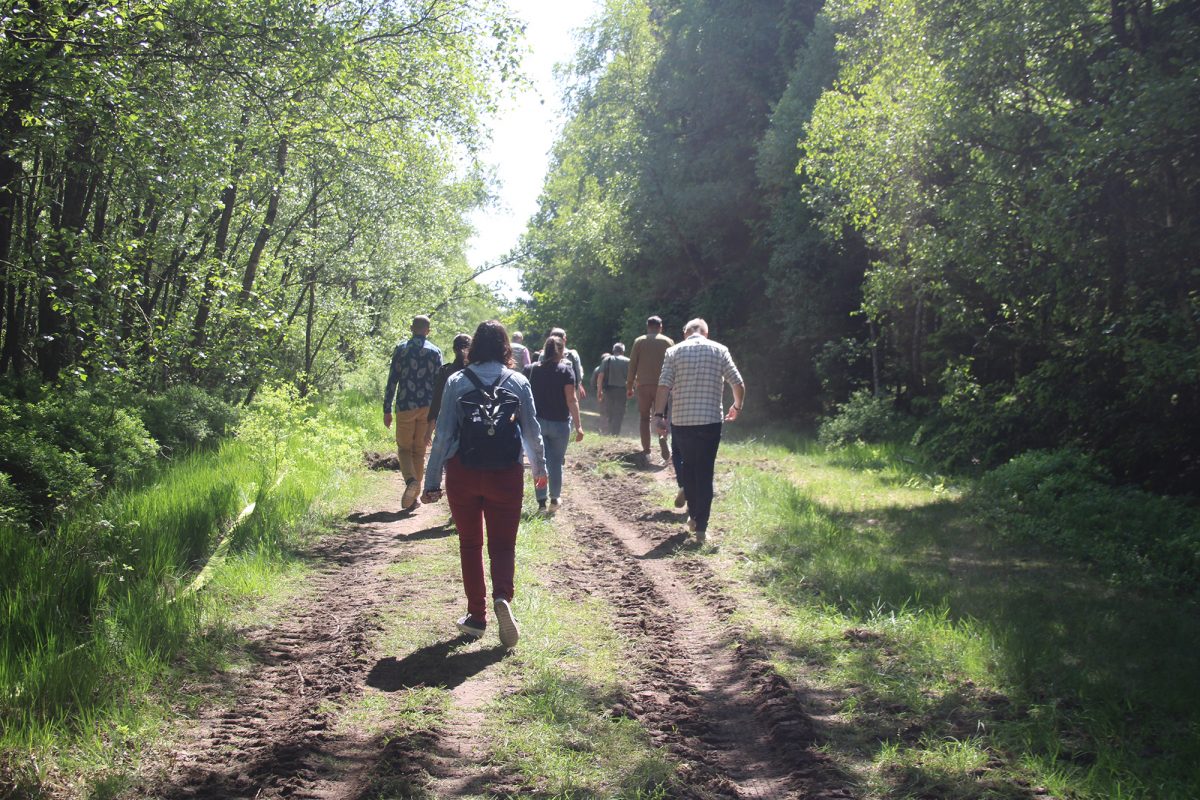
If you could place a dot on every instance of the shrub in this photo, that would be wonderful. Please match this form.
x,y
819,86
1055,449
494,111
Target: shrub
x,y
110,439
1064,498
38,475
972,425
863,418
58,450
186,417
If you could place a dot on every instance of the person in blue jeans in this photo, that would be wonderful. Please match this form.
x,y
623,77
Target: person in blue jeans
x,y
553,384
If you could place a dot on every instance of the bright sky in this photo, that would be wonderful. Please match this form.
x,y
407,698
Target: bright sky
x,y
523,133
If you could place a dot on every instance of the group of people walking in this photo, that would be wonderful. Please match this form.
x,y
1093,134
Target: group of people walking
x,y
497,404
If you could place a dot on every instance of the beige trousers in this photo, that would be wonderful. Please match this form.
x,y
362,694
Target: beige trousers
x,y
410,442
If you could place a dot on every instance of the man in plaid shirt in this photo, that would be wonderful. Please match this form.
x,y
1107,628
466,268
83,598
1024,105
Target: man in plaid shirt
x,y
692,380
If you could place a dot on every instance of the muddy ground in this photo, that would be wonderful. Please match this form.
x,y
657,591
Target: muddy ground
x,y
705,692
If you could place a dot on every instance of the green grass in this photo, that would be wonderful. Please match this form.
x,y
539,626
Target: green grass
x,y
555,729
962,665
96,616
548,727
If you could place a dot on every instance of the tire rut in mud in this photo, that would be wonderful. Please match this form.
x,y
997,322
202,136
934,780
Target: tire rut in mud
x,y
703,691
274,740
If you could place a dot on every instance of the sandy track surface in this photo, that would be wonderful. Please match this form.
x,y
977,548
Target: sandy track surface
x,y
703,692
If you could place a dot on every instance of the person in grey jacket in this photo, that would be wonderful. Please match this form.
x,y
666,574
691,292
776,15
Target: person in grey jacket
x,y
485,497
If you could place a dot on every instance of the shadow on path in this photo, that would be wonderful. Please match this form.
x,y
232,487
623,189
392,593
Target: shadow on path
x,y
667,547
433,665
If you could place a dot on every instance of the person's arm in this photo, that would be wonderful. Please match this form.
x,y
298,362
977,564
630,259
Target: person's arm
x,y
577,368
435,405
739,398
631,376
446,438
389,393
734,379
531,430
573,407
666,381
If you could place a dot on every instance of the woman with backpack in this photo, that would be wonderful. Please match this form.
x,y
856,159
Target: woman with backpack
x,y
487,410
553,383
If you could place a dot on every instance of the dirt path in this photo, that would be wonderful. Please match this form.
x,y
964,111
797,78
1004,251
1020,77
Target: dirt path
x,y
704,692
275,737
701,690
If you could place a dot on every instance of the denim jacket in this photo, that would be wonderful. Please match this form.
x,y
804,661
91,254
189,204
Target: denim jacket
x,y
445,440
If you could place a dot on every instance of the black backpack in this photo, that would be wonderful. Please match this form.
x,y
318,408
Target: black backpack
x,y
489,424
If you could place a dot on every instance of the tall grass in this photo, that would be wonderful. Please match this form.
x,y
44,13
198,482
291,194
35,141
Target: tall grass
x,y
947,642
94,611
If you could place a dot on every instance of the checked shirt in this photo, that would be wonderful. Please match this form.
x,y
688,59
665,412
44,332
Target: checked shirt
x,y
696,371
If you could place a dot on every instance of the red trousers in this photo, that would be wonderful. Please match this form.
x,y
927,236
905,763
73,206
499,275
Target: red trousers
x,y
493,497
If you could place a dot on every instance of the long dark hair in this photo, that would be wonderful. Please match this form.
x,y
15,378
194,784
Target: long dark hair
x,y
552,350
490,343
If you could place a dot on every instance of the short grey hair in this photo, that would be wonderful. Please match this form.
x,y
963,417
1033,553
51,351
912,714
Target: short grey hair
x,y
696,325
618,349
517,336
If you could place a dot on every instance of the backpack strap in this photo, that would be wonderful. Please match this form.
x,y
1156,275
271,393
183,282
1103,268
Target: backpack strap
x,y
473,378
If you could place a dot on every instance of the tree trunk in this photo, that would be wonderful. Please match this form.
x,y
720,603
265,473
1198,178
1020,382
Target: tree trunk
x,y
264,232
204,306
57,294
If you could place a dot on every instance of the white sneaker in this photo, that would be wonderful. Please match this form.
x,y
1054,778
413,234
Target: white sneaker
x,y
510,633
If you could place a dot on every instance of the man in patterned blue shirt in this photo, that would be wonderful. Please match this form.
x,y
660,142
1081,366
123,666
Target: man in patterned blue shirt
x,y
415,364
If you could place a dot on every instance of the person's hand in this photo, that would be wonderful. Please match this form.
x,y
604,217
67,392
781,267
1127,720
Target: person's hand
x,y
431,496
660,424
579,434
582,393
429,436
541,482
628,393
387,419
732,413
599,395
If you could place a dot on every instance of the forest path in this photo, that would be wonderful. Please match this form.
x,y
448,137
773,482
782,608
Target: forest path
x,y
701,691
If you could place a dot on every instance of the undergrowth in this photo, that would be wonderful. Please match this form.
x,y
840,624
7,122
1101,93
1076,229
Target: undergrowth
x,y
97,610
971,645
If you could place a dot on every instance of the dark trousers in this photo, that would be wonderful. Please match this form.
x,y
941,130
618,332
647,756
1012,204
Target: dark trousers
x,y
695,451
492,497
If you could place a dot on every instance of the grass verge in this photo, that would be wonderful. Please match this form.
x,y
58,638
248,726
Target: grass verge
x,y
959,663
98,627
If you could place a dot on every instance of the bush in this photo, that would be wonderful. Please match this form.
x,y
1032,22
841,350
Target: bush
x,y
185,418
58,450
1064,498
863,418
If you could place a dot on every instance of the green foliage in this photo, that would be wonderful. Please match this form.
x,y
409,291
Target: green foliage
x,y
1065,499
1018,172
268,427
64,447
231,194
95,609
653,204
945,640
186,417
863,418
